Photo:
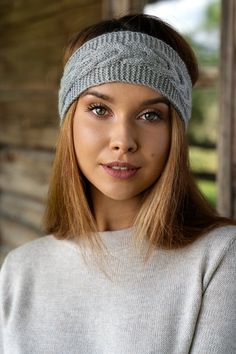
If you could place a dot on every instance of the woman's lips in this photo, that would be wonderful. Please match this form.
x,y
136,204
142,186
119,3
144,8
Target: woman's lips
x,y
120,170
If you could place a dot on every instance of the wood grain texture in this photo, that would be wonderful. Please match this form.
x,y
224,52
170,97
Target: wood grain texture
x,y
226,203
33,37
21,209
25,172
33,40
32,122
14,235
114,8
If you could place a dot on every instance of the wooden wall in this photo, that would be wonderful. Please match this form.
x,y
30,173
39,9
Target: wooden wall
x,y
117,8
33,36
227,132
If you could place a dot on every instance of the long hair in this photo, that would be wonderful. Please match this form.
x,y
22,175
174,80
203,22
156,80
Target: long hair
x,y
173,213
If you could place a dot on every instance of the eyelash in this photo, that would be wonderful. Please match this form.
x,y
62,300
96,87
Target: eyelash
x,y
99,105
94,106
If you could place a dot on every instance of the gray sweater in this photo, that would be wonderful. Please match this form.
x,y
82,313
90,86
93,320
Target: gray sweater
x,y
184,301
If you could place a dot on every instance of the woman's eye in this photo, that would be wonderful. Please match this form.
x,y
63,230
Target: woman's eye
x,y
98,110
151,116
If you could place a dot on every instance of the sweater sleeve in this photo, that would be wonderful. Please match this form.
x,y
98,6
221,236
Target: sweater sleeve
x,y
1,326
216,325
1,310
4,297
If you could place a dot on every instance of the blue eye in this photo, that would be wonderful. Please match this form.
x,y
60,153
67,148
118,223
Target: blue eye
x,y
151,116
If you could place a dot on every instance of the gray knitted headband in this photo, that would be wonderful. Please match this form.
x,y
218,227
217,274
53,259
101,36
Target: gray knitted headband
x,y
131,57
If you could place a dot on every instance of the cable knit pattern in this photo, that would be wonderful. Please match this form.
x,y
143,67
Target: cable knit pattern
x,y
131,57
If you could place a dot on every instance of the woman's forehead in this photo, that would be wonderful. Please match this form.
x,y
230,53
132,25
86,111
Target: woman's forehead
x,y
107,90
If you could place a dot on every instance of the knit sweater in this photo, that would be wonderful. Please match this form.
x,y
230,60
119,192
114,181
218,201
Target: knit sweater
x,y
181,301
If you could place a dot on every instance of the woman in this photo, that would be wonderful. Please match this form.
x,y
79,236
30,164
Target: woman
x,y
136,260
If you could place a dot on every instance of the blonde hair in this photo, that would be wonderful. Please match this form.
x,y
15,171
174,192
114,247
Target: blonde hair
x,y
173,213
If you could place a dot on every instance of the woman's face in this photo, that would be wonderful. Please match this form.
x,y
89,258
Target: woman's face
x,y
121,135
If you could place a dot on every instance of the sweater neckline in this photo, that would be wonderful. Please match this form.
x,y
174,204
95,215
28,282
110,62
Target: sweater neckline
x,y
117,239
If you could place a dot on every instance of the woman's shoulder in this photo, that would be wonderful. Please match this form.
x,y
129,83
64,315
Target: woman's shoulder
x,y
33,247
214,247
32,253
218,238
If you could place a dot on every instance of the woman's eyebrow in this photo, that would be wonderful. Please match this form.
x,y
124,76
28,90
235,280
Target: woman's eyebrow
x,y
156,100
96,94
110,99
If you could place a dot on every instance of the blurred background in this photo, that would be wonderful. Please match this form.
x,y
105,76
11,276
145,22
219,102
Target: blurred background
x,y
199,22
33,36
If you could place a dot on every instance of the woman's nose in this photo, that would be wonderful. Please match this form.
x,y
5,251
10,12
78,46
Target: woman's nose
x,y
123,138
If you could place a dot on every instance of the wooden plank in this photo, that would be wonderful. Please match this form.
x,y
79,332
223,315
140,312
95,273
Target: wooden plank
x,y
25,172
32,50
114,8
13,13
22,210
14,234
36,64
226,203
69,18
32,118
33,37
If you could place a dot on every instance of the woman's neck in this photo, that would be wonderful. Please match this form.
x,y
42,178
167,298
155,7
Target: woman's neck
x,y
114,215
